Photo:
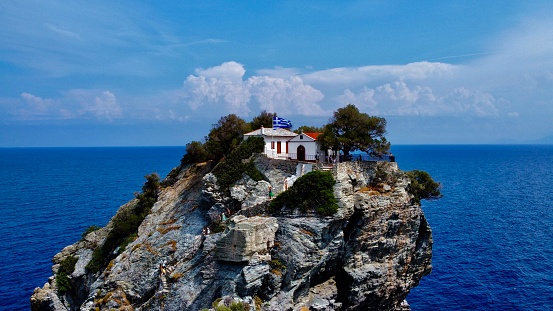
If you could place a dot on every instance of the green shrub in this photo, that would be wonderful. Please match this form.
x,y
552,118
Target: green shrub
x,y
423,186
277,265
89,230
239,306
215,303
252,171
125,225
311,192
195,153
232,168
67,266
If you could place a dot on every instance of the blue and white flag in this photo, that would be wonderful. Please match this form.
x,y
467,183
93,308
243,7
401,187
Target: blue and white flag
x,y
281,123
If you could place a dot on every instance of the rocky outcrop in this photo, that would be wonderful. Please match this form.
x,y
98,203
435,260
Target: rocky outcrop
x,y
365,257
246,237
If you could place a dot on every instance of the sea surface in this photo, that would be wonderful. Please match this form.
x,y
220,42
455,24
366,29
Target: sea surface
x,y
493,229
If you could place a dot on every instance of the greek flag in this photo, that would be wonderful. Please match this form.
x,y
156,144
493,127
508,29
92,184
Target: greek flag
x,y
281,123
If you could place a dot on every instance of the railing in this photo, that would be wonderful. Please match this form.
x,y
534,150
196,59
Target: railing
x,y
330,159
367,158
307,157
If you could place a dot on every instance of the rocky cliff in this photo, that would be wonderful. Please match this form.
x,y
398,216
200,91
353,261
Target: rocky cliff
x,y
367,256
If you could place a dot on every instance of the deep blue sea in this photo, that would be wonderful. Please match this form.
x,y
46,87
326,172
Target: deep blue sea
x,y
493,229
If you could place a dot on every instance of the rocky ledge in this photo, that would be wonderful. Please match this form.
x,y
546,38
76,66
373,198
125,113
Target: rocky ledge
x,y
367,256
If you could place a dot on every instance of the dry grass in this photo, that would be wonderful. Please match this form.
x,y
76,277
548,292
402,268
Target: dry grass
x,y
307,232
168,222
172,244
176,276
150,249
170,228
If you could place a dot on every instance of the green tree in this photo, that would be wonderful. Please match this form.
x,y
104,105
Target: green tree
x,y
225,136
264,119
309,129
351,130
195,153
423,186
234,166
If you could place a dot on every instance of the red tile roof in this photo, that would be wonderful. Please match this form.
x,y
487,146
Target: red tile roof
x,y
313,135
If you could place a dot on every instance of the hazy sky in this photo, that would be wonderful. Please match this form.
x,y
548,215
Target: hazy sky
x,y
130,73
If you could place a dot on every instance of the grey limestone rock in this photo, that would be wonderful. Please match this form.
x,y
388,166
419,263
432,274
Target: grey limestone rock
x,y
367,256
246,236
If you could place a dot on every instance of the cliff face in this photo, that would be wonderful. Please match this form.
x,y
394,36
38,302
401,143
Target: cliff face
x,y
365,257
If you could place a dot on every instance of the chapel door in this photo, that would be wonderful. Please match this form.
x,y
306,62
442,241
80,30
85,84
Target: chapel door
x,y
279,148
301,153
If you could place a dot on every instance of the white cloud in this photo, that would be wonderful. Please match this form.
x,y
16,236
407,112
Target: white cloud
x,y
232,71
371,74
399,99
474,103
279,72
34,107
63,32
74,104
233,95
287,96
103,106
224,87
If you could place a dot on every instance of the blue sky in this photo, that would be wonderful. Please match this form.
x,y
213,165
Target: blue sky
x,y
135,73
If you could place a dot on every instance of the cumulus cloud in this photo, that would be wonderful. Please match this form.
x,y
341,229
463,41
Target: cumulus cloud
x,y
219,85
74,104
417,89
35,107
103,106
224,87
399,99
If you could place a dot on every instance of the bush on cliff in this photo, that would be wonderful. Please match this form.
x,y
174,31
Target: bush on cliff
x,y
233,167
423,186
89,230
67,266
125,225
311,192
195,153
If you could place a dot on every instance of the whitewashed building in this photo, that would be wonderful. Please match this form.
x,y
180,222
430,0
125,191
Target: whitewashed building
x,y
305,147
276,141
285,144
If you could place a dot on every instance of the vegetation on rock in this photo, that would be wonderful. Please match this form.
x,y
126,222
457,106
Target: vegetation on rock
x,y
423,186
350,130
264,119
233,167
88,230
67,266
311,192
309,129
224,137
125,225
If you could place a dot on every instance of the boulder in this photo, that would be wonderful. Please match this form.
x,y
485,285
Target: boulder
x,y
246,236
